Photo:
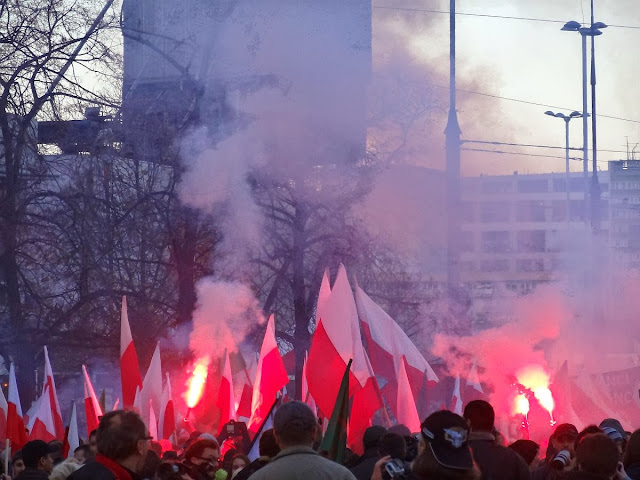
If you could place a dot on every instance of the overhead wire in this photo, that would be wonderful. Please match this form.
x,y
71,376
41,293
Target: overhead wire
x,y
523,154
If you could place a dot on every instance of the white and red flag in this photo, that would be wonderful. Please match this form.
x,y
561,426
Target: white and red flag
x,y
153,423
473,387
129,366
456,399
152,386
72,435
92,407
271,377
407,411
167,419
15,423
226,399
306,396
41,426
388,346
4,413
53,400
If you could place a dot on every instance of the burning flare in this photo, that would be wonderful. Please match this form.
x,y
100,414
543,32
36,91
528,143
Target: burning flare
x,y
536,379
521,405
195,384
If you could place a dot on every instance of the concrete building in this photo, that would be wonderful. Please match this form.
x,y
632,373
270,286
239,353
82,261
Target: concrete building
x,y
625,213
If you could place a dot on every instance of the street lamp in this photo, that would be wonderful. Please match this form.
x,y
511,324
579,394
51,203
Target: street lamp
x,y
567,119
589,31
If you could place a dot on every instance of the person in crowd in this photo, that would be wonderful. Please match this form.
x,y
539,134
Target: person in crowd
x,y
613,429
240,461
267,448
37,461
170,456
295,431
588,430
562,441
443,451
495,461
201,459
56,451
93,442
17,464
82,454
224,473
363,469
528,450
122,445
597,458
631,459
64,469
150,465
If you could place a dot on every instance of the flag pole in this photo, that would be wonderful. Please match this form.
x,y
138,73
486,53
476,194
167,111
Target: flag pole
x,y
7,451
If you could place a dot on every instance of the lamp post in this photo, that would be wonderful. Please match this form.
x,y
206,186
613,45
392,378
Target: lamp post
x,y
567,119
592,31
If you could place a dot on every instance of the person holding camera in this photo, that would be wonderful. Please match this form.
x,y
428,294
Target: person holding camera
x,y
597,458
560,453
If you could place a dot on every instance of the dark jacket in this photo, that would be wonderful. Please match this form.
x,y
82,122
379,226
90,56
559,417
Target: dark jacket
x,y
92,471
545,472
578,475
364,468
30,473
495,461
252,468
633,471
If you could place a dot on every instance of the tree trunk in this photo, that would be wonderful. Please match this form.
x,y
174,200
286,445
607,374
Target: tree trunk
x,y
301,315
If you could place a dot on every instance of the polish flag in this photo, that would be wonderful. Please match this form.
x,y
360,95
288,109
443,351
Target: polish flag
x,y
337,340
456,399
389,346
153,423
473,387
15,423
152,386
137,402
306,396
91,404
323,296
4,413
55,405
246,375
42,426
167,420
271,377
72,435
129,366
226,400
407,411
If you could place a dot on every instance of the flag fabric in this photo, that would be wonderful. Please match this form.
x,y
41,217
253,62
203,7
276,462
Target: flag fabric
x,y
254,449
226,400
4,413
388,346
129,366
91,404
271,377
15,423
53,400
407,411
244,375
137,402
167,420
334,441
456,399
323,296
72,435
473,388
152,386
306,396
337,340
41,426
153,423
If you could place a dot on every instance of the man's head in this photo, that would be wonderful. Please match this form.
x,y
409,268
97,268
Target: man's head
x,y
122,436
82,453
17,464
393,445
93,442
268,446
294,424
480,416
598,454
37,454
203,454
564,437
372,436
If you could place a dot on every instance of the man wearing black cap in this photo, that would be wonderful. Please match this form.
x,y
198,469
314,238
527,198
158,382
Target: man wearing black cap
x,y
37,460
364,468
562,440
496,462
294,425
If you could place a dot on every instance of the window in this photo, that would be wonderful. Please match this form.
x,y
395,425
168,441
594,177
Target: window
x,y
495,212
495,242
495,266
531,241
496,186
533,186
576,184
530,265
530,211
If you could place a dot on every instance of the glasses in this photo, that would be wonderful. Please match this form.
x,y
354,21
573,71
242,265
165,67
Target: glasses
x,y
209,460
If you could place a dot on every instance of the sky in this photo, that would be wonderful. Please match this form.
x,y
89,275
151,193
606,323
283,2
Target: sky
x,y
532,61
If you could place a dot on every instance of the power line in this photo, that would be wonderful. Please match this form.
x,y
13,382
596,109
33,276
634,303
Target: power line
x,y
501,152
555,147
487,15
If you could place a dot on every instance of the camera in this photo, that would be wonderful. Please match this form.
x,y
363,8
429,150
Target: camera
x,y
393,469
561,460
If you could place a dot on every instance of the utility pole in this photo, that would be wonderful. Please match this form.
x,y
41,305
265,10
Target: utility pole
x,y
595,184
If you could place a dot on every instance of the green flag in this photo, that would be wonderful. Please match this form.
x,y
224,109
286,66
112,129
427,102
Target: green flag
x,y
335,440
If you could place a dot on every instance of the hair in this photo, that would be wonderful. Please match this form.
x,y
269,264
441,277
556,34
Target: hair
x,y
197,448
632,453
63,470
17,456
527,449
392,444
426,467
92,433
119,433
55,447
480,415
243,457
295,424
268,447
86,449
589,430
598,454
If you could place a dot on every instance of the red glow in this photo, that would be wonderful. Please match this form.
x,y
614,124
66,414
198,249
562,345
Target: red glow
x,y
536,379
521,405
195,384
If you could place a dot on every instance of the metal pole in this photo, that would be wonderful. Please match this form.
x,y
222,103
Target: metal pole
x,y
585,125
595,185
566,122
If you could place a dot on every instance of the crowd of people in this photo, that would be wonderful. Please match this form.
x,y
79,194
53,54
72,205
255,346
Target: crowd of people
x,y
448,447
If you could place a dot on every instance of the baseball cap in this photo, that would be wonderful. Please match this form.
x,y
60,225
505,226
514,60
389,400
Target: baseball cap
x,y
34,451
447,435
372,435
565,430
